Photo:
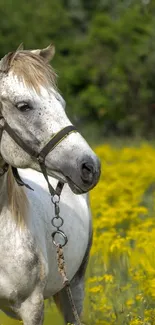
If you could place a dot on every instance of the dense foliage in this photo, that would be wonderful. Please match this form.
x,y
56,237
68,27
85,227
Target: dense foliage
x,y
105,56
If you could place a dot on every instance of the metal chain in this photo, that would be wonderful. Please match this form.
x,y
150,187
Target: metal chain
x,y
57,222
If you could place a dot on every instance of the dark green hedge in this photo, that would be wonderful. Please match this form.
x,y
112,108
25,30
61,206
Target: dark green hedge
x,y
105,56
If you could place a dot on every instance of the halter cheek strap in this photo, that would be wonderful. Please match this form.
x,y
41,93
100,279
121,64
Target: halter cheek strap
x,y
55,140
25,146
51,144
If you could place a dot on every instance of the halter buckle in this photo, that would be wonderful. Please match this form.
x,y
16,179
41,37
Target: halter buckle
x,y
4,169
40,159
55,199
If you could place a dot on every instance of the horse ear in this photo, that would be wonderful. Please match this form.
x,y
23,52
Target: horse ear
x,y
20,47
47,53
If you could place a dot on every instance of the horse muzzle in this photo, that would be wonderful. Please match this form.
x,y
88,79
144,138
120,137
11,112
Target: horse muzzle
x,y
83,178
90,171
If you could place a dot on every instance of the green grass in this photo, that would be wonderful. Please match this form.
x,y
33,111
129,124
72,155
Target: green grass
x,y
52,316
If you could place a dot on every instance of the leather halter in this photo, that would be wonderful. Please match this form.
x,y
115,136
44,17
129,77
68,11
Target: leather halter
x,y
40,156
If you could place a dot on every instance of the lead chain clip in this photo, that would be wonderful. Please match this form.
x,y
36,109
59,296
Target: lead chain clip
x,y
57,222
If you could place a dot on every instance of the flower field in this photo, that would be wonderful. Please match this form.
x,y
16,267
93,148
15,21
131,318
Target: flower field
x,y
121,282
120,285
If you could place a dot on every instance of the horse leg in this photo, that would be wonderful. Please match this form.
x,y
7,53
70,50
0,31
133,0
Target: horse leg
x,y
62,302
31,311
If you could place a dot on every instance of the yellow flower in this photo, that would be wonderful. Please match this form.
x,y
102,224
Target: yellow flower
x,y
108,278
96,289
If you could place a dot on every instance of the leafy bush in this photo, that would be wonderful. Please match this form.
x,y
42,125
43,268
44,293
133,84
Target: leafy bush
x,y
105,59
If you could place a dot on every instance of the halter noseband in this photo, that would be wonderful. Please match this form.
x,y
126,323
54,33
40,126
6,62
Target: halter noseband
x,y
51,144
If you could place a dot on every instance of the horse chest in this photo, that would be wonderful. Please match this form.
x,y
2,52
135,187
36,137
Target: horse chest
x,y
31,255
77,223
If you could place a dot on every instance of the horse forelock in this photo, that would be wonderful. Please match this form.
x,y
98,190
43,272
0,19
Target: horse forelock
x,y
17,200
30,67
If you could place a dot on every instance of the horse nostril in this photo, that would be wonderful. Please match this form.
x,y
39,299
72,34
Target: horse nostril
x,y
87,172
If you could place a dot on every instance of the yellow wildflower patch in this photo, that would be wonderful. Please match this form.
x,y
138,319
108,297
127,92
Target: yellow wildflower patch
x,y
122,264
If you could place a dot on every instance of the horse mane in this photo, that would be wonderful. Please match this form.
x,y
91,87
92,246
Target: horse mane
x,y
30,67
34,71
17,199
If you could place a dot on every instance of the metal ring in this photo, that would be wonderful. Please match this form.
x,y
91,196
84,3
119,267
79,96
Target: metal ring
x,y
55,198
62,235
57,218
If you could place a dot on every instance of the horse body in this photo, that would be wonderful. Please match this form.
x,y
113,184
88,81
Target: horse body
x,y
30,253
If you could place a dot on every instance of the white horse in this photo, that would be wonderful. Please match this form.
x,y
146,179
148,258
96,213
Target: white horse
x,y
34,110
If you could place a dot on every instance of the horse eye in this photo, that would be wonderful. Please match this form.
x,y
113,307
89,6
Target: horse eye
x,y
23,107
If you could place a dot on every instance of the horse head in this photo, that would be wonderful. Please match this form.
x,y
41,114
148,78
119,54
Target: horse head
x,y
34,109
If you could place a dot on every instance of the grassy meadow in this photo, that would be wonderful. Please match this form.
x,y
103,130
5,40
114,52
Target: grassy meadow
x,y
120,285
